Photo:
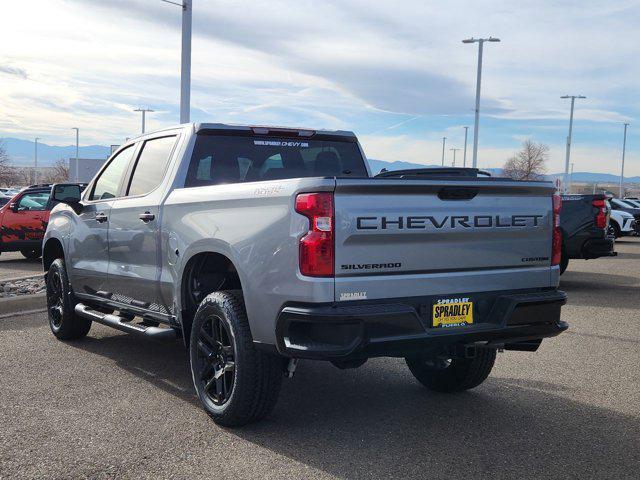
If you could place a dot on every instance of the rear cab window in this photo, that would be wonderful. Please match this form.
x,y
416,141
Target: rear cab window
x,y
151,165
220,159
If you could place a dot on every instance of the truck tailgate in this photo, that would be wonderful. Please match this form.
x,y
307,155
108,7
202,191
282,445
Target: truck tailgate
x,y
436,236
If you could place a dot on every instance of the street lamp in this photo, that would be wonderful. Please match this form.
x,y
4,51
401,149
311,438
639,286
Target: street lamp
x,y
464,158
77,148
35,161
144,111
480,42
568,154
444,141
185,59
624,148
454,155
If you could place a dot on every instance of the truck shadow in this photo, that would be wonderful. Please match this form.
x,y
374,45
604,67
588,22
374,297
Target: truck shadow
x,y
378,422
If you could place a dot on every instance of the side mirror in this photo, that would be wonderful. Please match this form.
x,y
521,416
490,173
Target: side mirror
x,y
66,193
14,206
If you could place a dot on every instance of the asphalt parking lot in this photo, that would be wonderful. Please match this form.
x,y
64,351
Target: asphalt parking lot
x,y
14,265
114,405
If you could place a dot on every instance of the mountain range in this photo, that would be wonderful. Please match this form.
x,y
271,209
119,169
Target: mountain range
x,y
21,153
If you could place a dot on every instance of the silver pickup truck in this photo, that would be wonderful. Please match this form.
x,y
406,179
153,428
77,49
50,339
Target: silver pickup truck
x,y
260,246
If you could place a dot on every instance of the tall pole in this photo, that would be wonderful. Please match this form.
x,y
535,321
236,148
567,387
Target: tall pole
x,y
144,111
568,151
185,67
476,127
35,162
454,150
571,176
444,141
77,149
624,149
464,158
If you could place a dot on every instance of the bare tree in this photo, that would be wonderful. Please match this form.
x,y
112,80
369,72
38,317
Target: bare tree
x,y
59,173
529,163
24,176
6,171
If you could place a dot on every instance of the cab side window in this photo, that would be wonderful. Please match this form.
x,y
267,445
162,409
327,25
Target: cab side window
x,y
151,165
33,202
108,182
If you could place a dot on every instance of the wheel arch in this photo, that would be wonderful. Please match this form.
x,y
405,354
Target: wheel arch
x,y
51,250
204,272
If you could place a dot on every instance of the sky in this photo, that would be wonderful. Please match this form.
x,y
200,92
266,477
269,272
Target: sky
x,y
396,73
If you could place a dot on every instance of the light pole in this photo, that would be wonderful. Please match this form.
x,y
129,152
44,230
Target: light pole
x,y
568,155
185,59
480,42
35,162
624,149
464,158
77,149
571,177
144,111
454,150
444,141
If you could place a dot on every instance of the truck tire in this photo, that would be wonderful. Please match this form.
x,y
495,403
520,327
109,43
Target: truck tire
x,y
453,375
614,229
31,253
236,383
63,321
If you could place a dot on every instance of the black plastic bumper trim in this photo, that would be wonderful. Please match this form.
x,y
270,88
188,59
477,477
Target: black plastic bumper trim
x,y
367,329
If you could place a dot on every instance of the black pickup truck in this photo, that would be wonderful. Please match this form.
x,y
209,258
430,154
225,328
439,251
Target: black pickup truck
x,y
584,222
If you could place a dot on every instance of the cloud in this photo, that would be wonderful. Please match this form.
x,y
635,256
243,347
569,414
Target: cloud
x,y
18,72
373,67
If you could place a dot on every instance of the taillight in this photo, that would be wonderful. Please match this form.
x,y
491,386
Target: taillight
x,y
316,247
556,244
601,215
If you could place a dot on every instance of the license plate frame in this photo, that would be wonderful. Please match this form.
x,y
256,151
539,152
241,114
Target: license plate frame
x,y
452,312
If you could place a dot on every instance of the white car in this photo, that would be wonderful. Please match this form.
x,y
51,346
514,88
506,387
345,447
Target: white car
x,y
633,201
621,223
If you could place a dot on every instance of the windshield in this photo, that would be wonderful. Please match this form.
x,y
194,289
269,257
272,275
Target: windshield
x,y
220,159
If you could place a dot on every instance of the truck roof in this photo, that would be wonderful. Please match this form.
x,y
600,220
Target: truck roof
x,y
257,129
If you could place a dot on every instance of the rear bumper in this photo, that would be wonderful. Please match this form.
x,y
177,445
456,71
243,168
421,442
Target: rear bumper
x,y
600,247
372,329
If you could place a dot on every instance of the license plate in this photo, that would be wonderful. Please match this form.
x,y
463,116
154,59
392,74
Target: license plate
x,y
452,312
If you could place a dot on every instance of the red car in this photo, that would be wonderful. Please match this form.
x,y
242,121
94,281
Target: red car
x,y
23,221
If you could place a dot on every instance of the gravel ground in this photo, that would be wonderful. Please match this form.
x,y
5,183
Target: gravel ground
x,y
24,286
115,405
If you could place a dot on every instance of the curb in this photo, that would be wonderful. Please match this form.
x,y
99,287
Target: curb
x,y
23,303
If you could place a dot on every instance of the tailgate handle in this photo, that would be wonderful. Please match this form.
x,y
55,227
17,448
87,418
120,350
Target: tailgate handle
x,y
457,193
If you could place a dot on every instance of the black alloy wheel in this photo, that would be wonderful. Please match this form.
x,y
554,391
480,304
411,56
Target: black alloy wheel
x,y
55,298
215,360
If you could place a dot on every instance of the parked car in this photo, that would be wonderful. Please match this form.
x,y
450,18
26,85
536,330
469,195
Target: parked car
x,y
633,202
623,206
585,228
24,219
260,246
621,224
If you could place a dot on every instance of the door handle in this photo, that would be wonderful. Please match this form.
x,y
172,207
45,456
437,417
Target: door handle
x,y
101,217
146,217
